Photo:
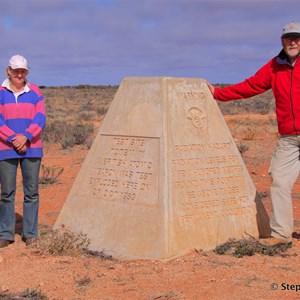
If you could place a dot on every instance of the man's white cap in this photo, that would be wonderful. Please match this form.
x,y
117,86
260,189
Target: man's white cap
x,y
291,29
18,62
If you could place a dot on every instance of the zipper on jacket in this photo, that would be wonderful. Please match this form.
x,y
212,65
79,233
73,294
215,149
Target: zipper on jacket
x,y
291,98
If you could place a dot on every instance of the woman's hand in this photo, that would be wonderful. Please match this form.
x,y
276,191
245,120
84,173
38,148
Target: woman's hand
x,y
19,141
23,149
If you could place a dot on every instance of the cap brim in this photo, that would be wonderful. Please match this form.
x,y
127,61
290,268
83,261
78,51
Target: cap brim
x,y
16,67
290,34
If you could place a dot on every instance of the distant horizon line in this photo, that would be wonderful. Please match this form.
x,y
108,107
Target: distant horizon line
x,y
82,86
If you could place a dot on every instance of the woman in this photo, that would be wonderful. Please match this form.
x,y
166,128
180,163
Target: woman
x,y
22,119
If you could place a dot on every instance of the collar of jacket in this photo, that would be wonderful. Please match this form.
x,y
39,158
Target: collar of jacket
x,y
5,84
282,59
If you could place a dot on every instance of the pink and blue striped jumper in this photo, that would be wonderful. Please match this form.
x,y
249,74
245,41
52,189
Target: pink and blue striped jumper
x,y
23,114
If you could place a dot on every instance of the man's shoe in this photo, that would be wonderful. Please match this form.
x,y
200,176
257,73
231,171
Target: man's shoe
x,y
5,243
274,242
29,241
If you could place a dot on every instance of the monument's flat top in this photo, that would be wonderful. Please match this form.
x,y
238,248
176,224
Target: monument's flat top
x,y
155,78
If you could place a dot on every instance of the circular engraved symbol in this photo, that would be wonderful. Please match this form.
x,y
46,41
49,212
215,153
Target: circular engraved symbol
x,y
197,116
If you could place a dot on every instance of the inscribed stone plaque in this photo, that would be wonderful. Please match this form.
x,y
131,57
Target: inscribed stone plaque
x,y
163,175
126,171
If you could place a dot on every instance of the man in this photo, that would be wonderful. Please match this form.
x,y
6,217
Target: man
x,y
282,75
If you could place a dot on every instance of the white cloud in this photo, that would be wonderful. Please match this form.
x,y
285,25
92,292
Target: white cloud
x,y
99,42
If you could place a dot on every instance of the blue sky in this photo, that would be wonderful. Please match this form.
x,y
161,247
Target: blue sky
x,y
99,42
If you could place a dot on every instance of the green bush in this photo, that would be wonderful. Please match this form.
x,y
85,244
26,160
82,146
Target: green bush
x,y
68,141
68,135
77,135
54,132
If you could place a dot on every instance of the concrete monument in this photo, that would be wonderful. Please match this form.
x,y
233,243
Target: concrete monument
x,y
163,175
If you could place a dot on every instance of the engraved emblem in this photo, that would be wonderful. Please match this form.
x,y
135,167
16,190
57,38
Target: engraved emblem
x,y
197,116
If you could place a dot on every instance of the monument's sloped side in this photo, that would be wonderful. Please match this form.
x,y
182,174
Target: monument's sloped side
x,y
211,190
163,175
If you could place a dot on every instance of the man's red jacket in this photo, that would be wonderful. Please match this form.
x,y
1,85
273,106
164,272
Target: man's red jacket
x,y
284,80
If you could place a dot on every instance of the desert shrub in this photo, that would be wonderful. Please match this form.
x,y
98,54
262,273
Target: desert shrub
x,y
61,242
82,86
68,141
244,248
273,120
81,131
87,106
77,135
100,254
88,115
240,248
102,110
55,131
33,294
90,111
67,134
85,281
260,104
89,141
243,148
49,175
67,103
262,107
249,135
222,249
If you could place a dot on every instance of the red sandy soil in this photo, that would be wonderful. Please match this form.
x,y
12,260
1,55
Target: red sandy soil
x,y
196,275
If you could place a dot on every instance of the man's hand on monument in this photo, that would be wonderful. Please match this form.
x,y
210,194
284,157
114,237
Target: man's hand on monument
x,y
211,87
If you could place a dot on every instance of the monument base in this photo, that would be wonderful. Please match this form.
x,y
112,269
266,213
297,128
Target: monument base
x,y
163,175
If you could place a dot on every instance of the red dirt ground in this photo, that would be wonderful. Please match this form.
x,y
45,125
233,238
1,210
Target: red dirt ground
x,y
196,275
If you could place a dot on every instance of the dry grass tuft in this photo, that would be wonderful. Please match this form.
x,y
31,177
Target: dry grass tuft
x,y
49,175
61,242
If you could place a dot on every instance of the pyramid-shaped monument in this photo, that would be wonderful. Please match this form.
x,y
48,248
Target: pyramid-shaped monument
x,y
163,175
